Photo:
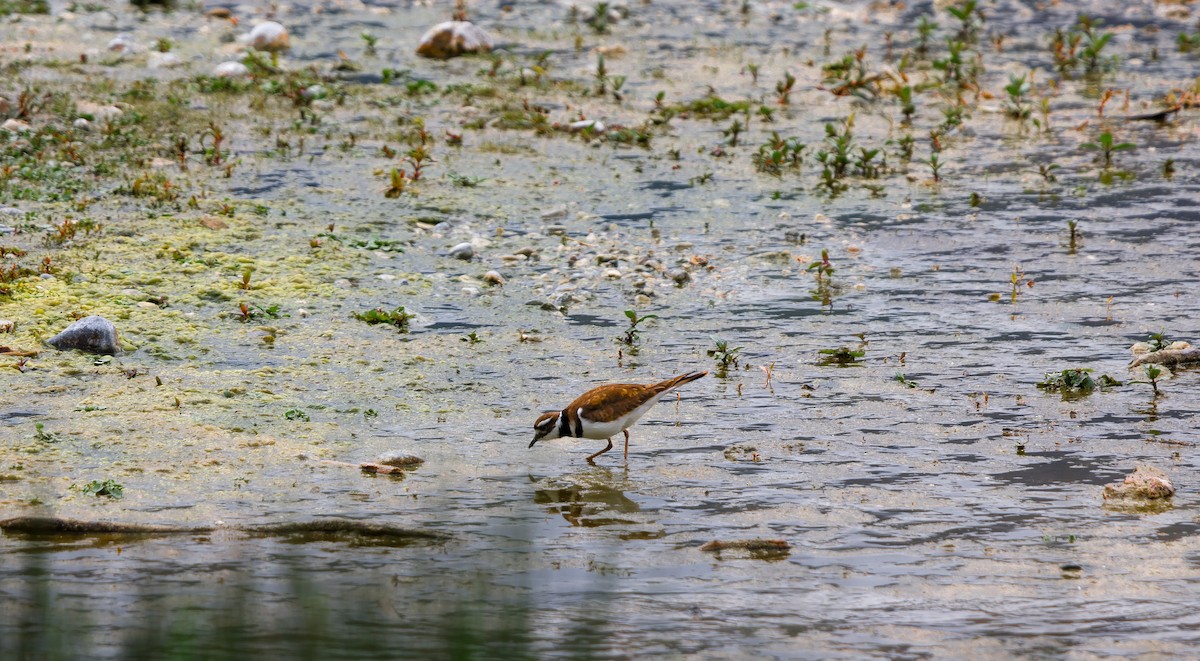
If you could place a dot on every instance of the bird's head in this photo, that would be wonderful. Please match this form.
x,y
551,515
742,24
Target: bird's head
x,y
546,427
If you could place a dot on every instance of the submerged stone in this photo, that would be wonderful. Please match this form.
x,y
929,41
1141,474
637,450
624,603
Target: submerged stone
x,y
93,334
1145,483
463,251
399,459
453,38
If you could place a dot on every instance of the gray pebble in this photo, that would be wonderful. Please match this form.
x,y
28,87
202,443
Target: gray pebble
x,y
463,251
92,334
556,230
680,276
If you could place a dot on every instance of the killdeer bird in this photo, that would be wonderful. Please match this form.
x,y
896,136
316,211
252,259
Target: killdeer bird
x,y
604,411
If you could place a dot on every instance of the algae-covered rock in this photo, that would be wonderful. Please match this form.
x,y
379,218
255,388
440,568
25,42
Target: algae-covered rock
x,y
453,38
93,334
1145,485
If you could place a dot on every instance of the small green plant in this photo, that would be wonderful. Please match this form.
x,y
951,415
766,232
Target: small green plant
x,y
398,317
904,380
783,88
724,355
1093,44
370,40
632,334
840,356
471,338
969,18
1075,383
40,434
108,488
1107,146
1153,372
1073,228
1158,341
1017,105
926,27
935,165
822,267
296,414
246,273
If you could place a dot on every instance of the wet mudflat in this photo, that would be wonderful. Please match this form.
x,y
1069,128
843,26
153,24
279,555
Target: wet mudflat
x,y
878,409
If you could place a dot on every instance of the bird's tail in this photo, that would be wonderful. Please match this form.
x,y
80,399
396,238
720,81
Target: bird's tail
x,y
678,381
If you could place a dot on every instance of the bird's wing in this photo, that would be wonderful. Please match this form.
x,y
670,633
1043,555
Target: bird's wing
x,y
607,403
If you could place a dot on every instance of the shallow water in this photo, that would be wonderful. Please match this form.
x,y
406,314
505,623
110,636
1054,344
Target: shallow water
x,y
960,516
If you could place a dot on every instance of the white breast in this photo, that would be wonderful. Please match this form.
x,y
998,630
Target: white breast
x,y
593,429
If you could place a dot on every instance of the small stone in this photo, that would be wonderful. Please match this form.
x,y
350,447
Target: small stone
x,y
122,43
556,213
453,38
493,278
15,126
528,251
680,276
556,230
612,274
93,334
219,12
231,70
463,251
267,36
399,460
46,276
7,326
164,60
82,124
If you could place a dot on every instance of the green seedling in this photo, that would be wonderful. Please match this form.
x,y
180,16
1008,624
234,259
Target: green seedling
x,y
370,40
1153,372
108,488
1046,171
1158,341
398,317
935,165
841,356
725,356
822,267
907,107
471,338
783,88
1107,146
633,333
969,18
246,273
1093,45
926,27
1073,228
752,69
1017,105
40,434
733,131
904,380
296,414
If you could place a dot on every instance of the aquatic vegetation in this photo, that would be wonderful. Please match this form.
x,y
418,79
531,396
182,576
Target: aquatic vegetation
x,y
725,355
970,19
1158,341
108,488
1107,146
1017,104
783,88
296,414
633,333
935,166
904,380
1153,372
841,356
40,434
1073,238
398,317
471,338
1075,383
849,77
778,153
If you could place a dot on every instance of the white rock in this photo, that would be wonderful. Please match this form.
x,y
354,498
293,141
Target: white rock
x,y
92,334
593,124
164,60
122,43
269,36
612,274
453,38
230,70
101,113
463,251
82,124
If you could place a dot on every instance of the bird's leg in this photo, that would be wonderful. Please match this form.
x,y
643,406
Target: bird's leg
x,y
626,444
589,459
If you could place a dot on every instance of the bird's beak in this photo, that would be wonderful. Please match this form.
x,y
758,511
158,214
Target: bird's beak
x,y
535,440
